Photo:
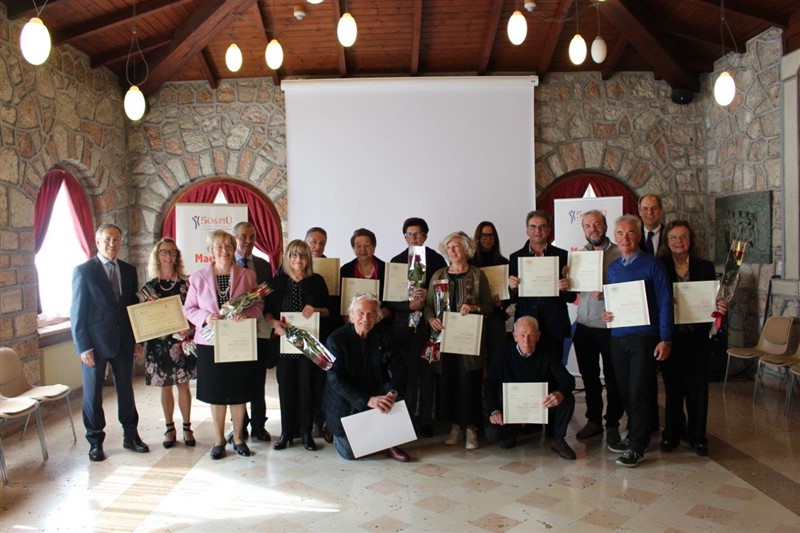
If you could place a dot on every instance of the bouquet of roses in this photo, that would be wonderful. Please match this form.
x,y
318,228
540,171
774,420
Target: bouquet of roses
x,y
730,278
186,344
310,346
235,306
441,297
416,279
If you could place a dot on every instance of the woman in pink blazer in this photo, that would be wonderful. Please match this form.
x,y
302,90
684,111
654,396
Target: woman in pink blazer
x,y
222,384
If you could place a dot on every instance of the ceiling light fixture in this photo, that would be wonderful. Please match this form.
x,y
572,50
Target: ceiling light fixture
x,y
725,86
517,28
134,102
529,6
315,2
274,54
577,46
599,48
299,12
34,39
347,29
233,58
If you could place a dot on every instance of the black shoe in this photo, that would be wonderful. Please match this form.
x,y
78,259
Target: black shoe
x,y
426,431
618,447
282,443
188,435
218,452
589,430
563,450
96,453
261,434
510,442
308,442
326,433
667,446
135,444
700,450
630,458
229,436
170,436
242,449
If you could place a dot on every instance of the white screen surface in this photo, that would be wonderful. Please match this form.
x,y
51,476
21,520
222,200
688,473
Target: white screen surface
x,y
373,152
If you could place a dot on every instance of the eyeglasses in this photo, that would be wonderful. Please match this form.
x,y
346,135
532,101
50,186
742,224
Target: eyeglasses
x,y
415,235
488,235
677,237
168,252
298,255
220,247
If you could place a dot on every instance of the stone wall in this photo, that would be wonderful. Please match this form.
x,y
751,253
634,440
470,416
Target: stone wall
x,y
62,112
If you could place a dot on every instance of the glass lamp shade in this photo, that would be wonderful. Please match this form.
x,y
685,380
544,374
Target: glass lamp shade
x,y
577,50
274,54
314,1
233,58
347,30
599,50
517,28
134,103
724,89
34,41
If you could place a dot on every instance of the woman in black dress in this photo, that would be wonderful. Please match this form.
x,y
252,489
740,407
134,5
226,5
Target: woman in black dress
x,y
488,255
296,289
165,363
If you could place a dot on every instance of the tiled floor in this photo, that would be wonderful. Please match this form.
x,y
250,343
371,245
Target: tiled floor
x,y
750,482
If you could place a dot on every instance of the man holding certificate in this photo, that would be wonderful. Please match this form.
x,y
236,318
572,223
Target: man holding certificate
x,y
527,361
550,310
636,348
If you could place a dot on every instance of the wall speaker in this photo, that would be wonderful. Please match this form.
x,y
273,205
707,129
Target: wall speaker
x,y
682,96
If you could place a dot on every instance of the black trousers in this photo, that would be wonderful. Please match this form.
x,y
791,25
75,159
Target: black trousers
x,y
685,376
460,398
590,345
295,394
420,377
258,405
558,421
94,418
635,367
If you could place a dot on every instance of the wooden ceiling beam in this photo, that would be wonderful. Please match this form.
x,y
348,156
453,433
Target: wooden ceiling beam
x,y
25,9
749,9
554,31
191,36
417,37
682,32
637,27
337,14
120,54
112,20
491,34
613,57
208,68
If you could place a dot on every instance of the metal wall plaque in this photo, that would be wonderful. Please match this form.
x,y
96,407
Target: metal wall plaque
x,y
746,217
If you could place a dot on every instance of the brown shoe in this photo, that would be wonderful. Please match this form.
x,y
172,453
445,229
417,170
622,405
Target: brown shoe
x,y
326,433
398,455
563,450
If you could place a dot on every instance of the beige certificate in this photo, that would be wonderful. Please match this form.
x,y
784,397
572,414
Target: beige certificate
x,y
522,403
235,340
628,302
498,280
395,282
695,301
462,333
310,325
585,270
353,286
538,276
151,320
328,268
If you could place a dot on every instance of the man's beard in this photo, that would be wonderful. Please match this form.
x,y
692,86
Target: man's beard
x,y
596,241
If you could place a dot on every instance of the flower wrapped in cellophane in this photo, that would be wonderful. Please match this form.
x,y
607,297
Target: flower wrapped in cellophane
x,y
309,345
441,300
416,279
730,278
235,306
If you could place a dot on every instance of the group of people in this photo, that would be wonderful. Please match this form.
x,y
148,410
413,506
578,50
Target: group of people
x,y
378,346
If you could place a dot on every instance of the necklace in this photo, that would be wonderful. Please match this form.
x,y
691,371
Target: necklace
x,y
169,287
223,294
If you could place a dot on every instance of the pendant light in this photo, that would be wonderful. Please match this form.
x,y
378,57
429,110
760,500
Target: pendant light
x,y
517,28
134,102
314,1
347,29
599,48
34,40
233,58
577,46
274,54
725,86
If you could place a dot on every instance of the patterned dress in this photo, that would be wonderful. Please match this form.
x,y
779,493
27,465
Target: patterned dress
x,y
165,363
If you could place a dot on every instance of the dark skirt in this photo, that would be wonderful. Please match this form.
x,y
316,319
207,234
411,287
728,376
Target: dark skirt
x,y
224,383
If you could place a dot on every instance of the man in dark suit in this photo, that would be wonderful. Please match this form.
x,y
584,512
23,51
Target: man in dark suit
x,y
550,311
102,288
245,234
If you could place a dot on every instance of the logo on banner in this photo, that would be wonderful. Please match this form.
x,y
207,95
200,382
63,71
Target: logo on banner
x,y
576,215
212,222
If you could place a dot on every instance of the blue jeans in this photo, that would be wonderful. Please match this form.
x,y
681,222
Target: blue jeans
x,y
343,447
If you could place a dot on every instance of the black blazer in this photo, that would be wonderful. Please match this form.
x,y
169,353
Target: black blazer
x,y
98,321
319,298
699,270
263,269
348,270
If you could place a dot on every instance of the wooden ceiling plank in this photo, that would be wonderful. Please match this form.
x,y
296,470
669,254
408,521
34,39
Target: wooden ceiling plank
x,y
120,54
635,25
112,20
211,17
613,57
24,8
337,14
490,36
554,31
417,37
208,68
263,21
749,9
684,33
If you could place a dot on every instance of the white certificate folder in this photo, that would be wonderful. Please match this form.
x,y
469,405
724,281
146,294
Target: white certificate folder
x,y
371,431
522,403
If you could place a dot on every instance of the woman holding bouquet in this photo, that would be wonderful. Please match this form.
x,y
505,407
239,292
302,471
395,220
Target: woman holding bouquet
x,y
222,384
686,371
296,289
165,363
459,395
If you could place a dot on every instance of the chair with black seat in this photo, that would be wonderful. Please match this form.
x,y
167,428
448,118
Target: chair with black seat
x,y
17,408
774,340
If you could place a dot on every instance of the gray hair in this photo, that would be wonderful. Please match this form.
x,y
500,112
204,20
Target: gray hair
x,y
597,212
653,196
104,227
466,242
362,297
244,224
526,318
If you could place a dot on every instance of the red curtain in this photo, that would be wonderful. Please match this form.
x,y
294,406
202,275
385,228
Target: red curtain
x,y
258,213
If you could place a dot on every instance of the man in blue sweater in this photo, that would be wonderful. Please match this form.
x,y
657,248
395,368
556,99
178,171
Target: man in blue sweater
x,y
635,349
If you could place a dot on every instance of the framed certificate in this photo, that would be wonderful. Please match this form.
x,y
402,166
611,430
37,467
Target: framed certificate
x,y
628,302
522,403
353,286
151,320
498,280
585,270
235,341
310,325
371,431
395,282
328,268
695,301
538,276
462,333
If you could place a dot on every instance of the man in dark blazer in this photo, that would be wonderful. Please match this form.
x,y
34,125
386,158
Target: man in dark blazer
x,y
102,289
550,311
245,234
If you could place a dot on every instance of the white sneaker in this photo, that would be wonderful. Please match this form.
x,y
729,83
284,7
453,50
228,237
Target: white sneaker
x,y
472,439
454,436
